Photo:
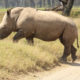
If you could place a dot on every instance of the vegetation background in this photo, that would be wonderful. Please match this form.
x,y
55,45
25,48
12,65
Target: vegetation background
x,y
33,3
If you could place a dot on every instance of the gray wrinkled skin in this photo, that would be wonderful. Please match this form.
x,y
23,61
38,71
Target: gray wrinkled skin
x,y
30,23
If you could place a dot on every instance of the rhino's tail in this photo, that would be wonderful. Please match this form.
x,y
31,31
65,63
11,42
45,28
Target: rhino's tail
x,y
77,42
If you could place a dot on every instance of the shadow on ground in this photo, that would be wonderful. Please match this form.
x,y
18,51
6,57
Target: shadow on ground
x,y
72,64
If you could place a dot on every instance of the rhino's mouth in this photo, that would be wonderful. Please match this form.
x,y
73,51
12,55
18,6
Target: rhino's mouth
x,y
4,35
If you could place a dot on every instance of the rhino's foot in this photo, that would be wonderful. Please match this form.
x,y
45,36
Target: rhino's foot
x,y
74,59
15,41
30,44
63,60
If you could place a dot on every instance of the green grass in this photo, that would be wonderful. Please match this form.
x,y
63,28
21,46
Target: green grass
x,y
21,58
3,10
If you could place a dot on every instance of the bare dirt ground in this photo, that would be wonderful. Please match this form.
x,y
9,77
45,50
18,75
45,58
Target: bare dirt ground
x,y
68,71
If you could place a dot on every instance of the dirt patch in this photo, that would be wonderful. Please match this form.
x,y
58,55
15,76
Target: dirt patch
x,y
67,71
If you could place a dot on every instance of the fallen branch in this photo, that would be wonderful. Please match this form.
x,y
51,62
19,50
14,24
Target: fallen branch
x,y
58,8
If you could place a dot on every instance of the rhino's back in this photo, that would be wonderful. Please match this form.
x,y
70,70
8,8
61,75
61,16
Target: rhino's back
x,y
37,16
50,16
48,25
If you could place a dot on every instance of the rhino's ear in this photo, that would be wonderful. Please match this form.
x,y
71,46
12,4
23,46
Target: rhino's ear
x,y
8,12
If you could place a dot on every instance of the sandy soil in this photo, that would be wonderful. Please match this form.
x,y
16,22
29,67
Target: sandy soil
x,y
69,71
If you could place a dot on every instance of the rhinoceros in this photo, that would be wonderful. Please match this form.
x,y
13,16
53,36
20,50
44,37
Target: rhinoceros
x,y
31,23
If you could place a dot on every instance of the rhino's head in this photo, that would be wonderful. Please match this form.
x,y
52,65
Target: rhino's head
x,y
6,25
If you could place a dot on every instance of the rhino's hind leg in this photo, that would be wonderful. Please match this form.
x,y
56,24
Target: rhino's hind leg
x,y
67,50
19,35
73,53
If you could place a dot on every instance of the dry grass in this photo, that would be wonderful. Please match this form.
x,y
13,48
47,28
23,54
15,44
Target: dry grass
x,y
19,58
75,12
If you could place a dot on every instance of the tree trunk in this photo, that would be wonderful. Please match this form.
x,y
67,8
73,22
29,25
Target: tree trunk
x,y
43,3
51,3
32,3
46,3
68,7
17,2
40,3
6,3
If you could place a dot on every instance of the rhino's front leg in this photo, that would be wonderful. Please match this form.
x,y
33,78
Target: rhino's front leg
x,y
30,40
19,35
